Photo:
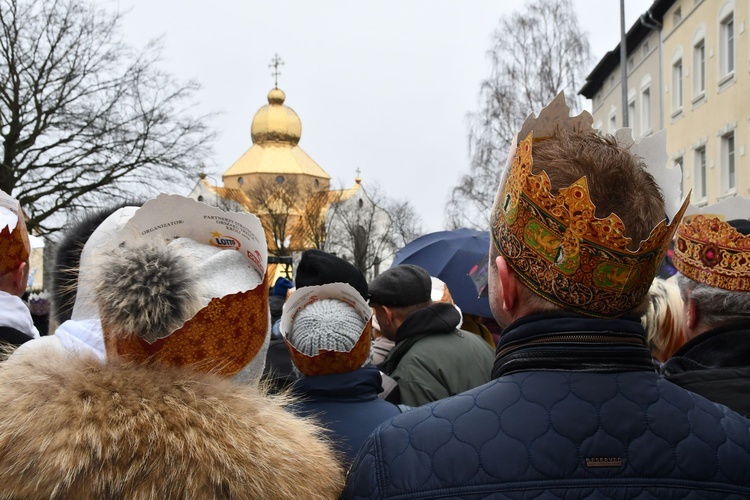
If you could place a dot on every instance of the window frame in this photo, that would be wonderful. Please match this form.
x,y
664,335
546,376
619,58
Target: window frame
x,y
727,61
678,96
646,126
699,68
729,163
700,172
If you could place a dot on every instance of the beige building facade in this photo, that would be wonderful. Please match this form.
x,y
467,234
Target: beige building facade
x,y
604,83
707,91
694,64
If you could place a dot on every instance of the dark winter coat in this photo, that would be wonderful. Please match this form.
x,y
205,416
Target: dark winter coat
x,y
433,359
347,404
576,410
11,336
716,365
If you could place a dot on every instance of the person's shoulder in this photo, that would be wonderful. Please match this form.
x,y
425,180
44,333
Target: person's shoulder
x,y
11,336
134,407
48,344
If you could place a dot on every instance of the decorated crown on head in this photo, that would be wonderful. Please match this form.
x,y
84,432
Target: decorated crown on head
x,y
328,361
184,253
709,250
14,240
556,244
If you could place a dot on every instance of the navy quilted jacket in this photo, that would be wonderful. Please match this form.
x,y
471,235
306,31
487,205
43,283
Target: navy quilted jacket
x,y
608,428
346,404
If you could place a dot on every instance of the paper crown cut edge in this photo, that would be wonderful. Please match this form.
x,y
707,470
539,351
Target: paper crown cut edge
x,y
227,332
14,243
710,251
594,271
221,338
328,362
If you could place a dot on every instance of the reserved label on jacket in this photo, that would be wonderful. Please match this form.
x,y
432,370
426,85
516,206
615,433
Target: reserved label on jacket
x,y
604,462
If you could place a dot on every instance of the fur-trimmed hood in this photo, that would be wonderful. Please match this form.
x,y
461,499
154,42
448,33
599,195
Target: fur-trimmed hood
x,y
73,427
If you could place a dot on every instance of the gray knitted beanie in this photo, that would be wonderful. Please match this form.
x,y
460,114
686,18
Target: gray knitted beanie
x,y
326,324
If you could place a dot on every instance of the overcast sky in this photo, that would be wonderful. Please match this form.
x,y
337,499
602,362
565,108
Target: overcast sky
x,y
381,86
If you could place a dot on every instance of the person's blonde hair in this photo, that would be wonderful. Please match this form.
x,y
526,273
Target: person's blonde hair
x,y
663,319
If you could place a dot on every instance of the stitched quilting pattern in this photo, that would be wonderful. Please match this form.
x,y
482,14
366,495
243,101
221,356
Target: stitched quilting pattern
x,y
544,433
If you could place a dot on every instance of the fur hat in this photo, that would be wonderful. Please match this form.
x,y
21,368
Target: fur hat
x,y
68,261
401,286
174,287
319,268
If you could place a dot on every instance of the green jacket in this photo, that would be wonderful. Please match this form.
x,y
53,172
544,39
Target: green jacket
x,y
432,359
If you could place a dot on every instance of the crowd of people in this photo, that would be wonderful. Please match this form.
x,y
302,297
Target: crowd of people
x,y
177,370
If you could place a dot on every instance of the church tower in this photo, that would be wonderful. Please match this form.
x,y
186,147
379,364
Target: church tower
x,y
275,155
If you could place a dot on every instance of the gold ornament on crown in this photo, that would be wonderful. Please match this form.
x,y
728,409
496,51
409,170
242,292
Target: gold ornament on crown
x,y
710,251
556,244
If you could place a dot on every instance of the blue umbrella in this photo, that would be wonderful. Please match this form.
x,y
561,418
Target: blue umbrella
x,y
450,256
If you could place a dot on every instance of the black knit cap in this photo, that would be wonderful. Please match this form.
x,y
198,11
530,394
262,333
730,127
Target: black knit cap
x,y
320,268
401,286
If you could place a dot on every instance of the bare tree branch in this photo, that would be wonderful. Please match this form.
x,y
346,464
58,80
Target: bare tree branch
x,y
535,54
83,117
368,228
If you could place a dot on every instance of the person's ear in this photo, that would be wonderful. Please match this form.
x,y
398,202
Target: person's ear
x,y
692,318
508,283
20,277
388,313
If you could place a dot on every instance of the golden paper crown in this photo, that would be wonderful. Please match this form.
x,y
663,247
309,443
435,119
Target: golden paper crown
x,y
14,243
556,244
328,362
224,336
711,251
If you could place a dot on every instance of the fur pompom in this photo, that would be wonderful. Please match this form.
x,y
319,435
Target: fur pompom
x,y
147,290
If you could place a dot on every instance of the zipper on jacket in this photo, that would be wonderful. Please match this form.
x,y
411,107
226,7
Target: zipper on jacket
x,y
576,338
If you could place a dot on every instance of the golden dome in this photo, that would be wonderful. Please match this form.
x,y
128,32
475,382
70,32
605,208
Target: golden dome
x,y
275,122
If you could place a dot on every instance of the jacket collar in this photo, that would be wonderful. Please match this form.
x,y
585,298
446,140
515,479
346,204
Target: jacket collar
x,y
363,384
435,318
725,347
572,342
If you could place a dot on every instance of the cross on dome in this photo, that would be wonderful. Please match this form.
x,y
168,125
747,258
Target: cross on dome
x,y
275,63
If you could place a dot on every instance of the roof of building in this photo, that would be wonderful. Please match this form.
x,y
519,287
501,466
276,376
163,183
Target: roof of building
x,y
231,194
276,131
635,35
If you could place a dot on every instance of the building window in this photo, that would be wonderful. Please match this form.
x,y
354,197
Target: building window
x,y
677,16
645,48
699,179
727,45
317,183
631,114
612,123
677,86
699,68
631,63
240,181
279,179
728,164
678,164
646,111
